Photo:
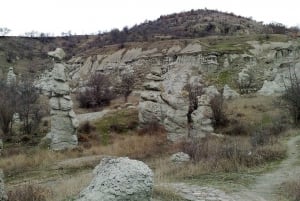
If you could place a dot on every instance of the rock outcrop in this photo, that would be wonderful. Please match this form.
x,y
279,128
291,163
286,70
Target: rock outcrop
x,y
282,79
57,54
165,100
3,196
229,93
63,134
120,179
180,157
11,77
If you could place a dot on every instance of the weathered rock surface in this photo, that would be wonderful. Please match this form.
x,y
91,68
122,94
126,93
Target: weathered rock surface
x,y
282,80
166,102
3,196
58,54
180,157
120,179
229,93
63,134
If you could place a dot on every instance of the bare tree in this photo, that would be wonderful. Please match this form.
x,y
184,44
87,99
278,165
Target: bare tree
x,y
8,97
218,109
97,92
27,104
194,90
292,96
4,31
126,85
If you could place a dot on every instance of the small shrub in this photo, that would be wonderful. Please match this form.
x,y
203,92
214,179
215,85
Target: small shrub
x,y
28,192
260,137
86,128
237,128
219,116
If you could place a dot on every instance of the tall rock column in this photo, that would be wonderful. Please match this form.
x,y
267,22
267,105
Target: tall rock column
x,y
63,134
11,77
3,196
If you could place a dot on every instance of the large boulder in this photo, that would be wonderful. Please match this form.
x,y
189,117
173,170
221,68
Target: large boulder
x,y
3,196
120,179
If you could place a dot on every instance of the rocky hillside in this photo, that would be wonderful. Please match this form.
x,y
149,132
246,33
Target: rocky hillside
x,y
197,37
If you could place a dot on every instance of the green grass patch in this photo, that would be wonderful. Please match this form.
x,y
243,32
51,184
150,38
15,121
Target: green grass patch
x,y
223,77
121,121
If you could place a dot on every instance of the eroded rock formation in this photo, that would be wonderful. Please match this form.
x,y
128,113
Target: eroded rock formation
x,y
63,134
11,77
165,100
3,196
120,179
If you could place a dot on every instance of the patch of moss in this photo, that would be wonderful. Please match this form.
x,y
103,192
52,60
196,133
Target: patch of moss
x,y
223,77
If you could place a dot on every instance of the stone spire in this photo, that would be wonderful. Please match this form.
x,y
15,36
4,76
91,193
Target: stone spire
x,y
63,134
11,77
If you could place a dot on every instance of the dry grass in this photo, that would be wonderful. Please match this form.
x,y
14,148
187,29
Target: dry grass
x,y
28,192
252,110
166,194
215,155
134,146
67,188
291,189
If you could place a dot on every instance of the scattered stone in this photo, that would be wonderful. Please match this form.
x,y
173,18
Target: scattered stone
x,y
229,93
180,157
3,196
120,179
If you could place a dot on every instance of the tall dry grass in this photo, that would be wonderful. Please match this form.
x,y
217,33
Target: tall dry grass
x,y
291,189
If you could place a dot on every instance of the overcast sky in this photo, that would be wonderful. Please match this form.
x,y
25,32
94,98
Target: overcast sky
x,y
91,16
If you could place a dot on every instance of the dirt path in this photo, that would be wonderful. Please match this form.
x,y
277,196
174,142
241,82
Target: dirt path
x,y
92,116
264,189
266,185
